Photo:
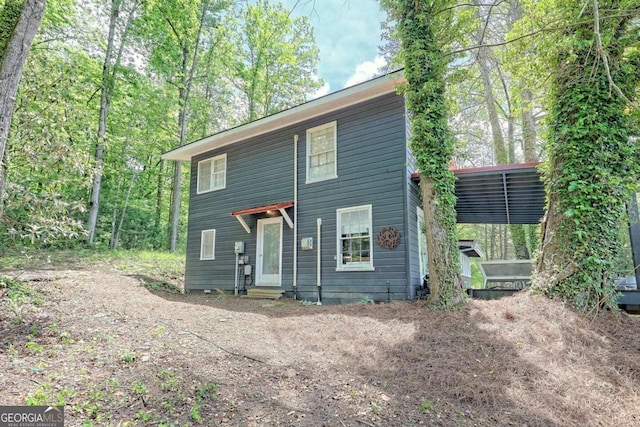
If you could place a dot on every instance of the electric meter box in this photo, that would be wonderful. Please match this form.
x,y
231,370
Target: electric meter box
x,y
307,243
238,247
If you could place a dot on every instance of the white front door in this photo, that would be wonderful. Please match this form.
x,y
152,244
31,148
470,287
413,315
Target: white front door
x,y
269,252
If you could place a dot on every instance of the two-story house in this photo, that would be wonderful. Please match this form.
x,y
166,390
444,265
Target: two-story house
x,y
319,199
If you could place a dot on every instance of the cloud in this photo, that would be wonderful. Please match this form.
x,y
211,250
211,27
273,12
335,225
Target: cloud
x,y
347,33
365,71
325,89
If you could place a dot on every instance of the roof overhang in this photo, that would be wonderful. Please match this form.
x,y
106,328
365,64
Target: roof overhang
x,y
334,101
503,194
277,207
470,248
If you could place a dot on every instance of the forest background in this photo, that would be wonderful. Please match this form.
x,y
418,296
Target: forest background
x,y
112,84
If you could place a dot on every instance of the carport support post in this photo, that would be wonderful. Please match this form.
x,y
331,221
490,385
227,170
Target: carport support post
x,y
634,234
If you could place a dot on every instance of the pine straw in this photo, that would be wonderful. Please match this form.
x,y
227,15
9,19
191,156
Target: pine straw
x,y
518,361
527,360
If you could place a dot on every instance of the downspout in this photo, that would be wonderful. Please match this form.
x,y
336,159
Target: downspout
x,y
410,288
295,216
319,263
235,288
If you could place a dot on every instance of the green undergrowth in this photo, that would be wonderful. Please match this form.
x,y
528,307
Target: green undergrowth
x,y
147,263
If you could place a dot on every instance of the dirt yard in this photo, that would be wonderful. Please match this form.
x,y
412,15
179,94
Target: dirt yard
x,y
119,350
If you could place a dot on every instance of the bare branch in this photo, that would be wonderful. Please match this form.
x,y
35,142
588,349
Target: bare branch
x,y
603,54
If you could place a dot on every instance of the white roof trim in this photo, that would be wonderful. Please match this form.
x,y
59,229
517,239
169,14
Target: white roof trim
x,y
328,103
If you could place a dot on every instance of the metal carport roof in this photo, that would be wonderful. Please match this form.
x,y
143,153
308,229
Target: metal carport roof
x,y
503,194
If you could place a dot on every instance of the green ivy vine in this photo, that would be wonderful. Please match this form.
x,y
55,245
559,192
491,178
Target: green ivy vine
x,y
594,162
431,140
9,17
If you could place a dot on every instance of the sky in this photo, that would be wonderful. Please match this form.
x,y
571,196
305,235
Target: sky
x,y
347,33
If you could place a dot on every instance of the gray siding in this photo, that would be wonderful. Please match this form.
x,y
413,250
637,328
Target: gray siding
x,y
259,172
372,170
414,199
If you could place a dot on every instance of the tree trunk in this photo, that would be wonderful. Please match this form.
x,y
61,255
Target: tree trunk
x,y
105,101
499,148
188,71
3,174
116,238
176,192
486,239
114,215
593,159
529,137
23,18
502,154
445,289
106,89
519,237
528,127
518,231
553,264
432,144
159,197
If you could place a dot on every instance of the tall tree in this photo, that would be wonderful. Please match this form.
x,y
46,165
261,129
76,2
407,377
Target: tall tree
x,y
274,58
179,28
593,161
504,151
112,58
529,130
19,22
431,140
486,62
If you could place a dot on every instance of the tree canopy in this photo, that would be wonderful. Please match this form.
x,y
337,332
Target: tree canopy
x,y
112,84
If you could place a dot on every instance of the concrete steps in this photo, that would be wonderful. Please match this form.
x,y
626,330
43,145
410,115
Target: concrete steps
x,y
258,293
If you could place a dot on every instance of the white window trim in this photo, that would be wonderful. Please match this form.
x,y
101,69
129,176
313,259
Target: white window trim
x,y
355,269
334,125
213,246
211,160
339,265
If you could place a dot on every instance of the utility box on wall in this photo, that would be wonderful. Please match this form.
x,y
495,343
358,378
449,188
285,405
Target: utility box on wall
x,y
307,243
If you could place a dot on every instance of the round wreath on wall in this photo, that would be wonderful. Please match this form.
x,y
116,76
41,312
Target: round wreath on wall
x,y
389,238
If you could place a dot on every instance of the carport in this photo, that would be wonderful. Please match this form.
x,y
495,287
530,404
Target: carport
x,y
514,194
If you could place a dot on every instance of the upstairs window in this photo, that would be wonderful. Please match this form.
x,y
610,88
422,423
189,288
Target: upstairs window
x,y
212,174
208,244
354,238
321,153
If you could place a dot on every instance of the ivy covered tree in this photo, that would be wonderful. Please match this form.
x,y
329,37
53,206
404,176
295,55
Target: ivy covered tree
x,y
593,159
425,66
